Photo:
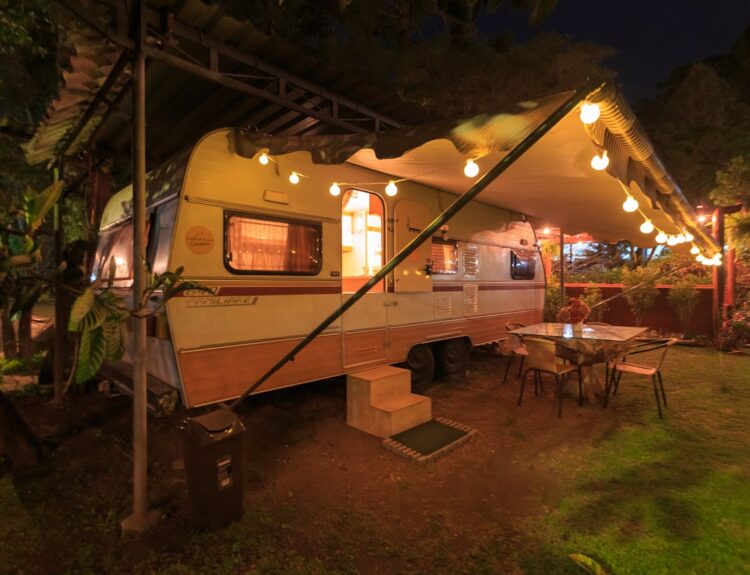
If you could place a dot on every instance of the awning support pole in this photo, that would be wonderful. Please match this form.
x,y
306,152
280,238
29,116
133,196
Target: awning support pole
x,y
428,232
58,367
140,519
562,267
718,271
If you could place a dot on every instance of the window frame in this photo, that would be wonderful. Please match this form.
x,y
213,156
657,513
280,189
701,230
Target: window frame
x,y
442,242
532,266
318,226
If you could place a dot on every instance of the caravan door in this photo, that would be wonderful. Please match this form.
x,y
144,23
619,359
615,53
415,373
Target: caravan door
x,y
362,256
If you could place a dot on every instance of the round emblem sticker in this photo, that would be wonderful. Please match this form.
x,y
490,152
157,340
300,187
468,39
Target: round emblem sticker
x,y
199,240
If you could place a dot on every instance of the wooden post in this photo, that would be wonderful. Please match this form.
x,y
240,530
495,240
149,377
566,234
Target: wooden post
x,y
718,271
140,518
58,367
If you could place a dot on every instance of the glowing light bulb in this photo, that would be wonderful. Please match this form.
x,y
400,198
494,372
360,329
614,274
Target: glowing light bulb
x,y
334,190
647,227
672,241
471,169
294,178
689,237
600,163
695,250
661,237
589,113
701,218
630,205
263,159
700,258
546,231
391,189
680,238
718,255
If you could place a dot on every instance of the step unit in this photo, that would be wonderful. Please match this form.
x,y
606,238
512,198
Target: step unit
x,y
379,401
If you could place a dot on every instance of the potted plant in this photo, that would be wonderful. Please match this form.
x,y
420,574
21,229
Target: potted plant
x,y
575,312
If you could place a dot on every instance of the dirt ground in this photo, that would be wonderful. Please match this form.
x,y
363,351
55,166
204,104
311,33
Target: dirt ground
x,y
301,457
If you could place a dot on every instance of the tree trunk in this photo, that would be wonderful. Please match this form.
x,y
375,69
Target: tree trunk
x,y
25,343
9,336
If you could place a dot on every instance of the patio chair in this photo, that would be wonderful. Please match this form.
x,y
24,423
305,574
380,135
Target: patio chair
x,y
542,358
517,348
623,364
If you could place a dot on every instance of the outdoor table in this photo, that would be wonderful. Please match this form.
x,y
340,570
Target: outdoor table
x,y
592,343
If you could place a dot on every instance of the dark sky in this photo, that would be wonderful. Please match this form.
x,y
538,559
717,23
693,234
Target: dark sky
x,y
652,37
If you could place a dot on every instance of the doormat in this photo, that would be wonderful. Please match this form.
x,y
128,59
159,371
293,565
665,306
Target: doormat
x,y
429,440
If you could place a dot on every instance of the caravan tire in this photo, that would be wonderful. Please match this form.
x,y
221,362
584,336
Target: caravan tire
x,y
453,359
421,363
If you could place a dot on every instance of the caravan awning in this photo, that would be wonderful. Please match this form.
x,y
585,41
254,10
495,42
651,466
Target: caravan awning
x,y
553,182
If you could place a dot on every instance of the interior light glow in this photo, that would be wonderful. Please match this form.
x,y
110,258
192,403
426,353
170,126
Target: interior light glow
x,y
546,231
589,113
661,237
334,190
391,189
294,178
600,162
471,169
263,159
647,227
701,218
630,205
695,250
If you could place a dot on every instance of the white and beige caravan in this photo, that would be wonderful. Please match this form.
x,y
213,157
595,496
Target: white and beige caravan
x,y
280,257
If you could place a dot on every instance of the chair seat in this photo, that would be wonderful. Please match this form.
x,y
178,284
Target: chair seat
x,y
520,351
560,368
635,368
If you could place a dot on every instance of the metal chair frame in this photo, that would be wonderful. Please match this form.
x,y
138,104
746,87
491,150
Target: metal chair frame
x,y
509,326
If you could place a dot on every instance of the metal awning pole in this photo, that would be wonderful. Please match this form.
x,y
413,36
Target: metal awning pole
x,y
562,267
427,233
139,520
58,367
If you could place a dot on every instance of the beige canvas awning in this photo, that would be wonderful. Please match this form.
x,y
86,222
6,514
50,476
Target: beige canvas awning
x,y
553,182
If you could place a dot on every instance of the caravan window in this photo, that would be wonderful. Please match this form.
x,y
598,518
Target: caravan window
x,y
362,228
115,245
257,244
522,265
444,256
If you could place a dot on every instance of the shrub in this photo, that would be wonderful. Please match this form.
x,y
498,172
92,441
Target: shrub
x,y
640,290
592,295
683,297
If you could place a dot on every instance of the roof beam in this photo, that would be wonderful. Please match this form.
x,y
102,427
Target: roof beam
x,y
284,82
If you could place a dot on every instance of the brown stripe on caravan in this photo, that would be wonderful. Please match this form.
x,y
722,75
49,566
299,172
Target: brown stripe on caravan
x,y
487,286
219,374
278,290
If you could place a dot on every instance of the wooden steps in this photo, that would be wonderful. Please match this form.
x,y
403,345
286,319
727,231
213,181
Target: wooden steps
x,y
379,401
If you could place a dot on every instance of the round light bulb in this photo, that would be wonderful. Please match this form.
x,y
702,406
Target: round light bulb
x,y
334,190
471,169
701,218
600,163
689,237
680,238
589,113
700,258
672,241
263,159
695,250
294,178
716,262
718,255
391,189
661,238
546,231
630,205
647,227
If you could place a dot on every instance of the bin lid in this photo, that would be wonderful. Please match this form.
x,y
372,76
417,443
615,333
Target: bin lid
x,y
216,421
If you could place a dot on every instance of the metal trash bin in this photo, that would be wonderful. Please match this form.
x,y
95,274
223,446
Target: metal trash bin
x,y
213,466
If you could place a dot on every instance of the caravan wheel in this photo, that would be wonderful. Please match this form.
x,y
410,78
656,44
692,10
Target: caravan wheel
x,y
421,363
453,359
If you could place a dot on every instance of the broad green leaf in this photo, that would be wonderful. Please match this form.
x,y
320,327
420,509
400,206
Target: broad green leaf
x,y
95,317
588,564
113,343
80,308
90,354
45,201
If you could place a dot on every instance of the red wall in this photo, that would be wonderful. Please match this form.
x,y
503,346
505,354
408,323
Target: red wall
x,y
661,317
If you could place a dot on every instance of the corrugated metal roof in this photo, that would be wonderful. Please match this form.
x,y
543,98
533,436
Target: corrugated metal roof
x,y
182,106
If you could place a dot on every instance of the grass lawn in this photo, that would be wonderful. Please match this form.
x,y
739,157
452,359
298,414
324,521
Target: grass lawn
x,y
638,494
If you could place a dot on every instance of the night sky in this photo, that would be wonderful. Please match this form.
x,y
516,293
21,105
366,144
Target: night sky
x,y
651,37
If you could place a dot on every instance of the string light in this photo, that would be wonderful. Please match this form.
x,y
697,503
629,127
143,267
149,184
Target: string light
x,y
600,163
672,241
263,159
334,190
589,113
647,227
391,189
294,178
661,237
700,258
471,169
630,204
689,237
695,250
680,239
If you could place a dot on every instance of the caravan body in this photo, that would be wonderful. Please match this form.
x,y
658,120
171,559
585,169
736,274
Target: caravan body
x,y
281,257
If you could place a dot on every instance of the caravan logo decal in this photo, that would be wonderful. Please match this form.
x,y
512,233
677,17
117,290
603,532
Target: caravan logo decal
x,y
199,240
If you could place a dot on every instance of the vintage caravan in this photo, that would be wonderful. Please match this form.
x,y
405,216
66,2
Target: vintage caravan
x,y
281,252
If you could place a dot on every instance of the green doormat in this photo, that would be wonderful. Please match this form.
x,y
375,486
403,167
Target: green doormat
x,y
429,440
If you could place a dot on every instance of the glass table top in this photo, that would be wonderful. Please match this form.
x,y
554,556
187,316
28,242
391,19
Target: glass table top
x,y
595,332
